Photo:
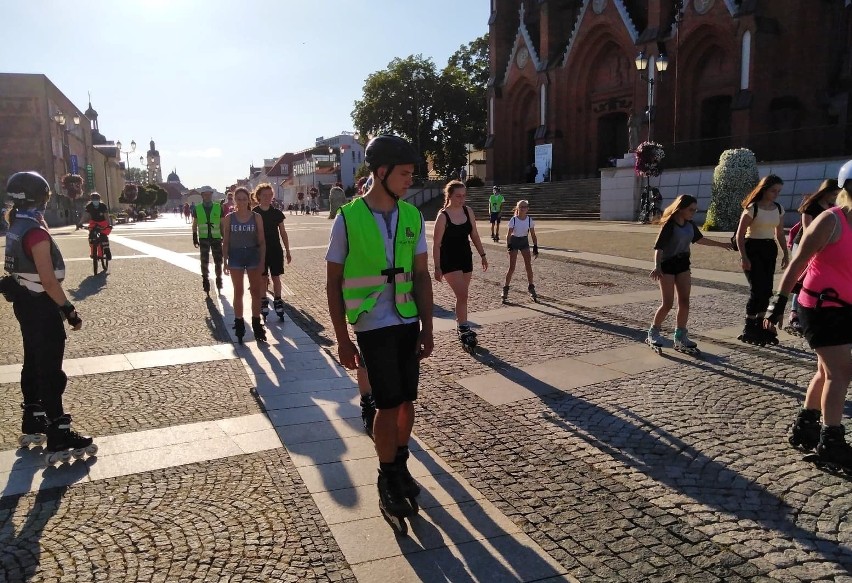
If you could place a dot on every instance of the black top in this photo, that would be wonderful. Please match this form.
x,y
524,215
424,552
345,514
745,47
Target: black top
x,y
456,239
272,217
97,213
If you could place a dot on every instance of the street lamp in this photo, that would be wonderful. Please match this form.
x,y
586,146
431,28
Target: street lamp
x,y
127,152
415,77
334,159
661,63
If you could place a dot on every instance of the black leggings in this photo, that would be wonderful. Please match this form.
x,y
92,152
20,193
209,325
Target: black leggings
x,y
43,331
762,254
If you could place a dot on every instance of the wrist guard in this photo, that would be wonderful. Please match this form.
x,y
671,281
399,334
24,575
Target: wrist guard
x,y
70,313
195,239
775,313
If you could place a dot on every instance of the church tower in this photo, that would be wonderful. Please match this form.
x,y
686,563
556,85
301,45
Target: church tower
x,y
155,171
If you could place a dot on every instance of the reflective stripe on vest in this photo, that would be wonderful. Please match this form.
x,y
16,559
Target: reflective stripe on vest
x,y
212,221
365,271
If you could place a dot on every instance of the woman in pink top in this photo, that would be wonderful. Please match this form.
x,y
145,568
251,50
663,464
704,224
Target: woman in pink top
x,y
825,314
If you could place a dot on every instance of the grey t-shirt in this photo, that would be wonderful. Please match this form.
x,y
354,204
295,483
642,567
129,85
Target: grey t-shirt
x,y
675,239
384,313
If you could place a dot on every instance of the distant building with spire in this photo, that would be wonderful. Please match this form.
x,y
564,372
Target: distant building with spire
x,y
155,170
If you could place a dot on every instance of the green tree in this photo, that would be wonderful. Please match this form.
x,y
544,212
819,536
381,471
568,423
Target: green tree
x,y
473,60
135,175
400,100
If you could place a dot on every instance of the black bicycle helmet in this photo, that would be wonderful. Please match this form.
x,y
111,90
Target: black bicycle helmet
x,y
388,151
30,186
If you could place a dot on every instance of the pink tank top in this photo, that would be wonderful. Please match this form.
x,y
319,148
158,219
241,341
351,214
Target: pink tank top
x,y
831,267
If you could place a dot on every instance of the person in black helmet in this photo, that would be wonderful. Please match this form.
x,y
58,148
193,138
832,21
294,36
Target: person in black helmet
x,y
34,286
98,216
378,280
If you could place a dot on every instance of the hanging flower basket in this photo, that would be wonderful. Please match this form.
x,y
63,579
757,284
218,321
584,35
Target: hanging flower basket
x,y
73,185
649,157
130,191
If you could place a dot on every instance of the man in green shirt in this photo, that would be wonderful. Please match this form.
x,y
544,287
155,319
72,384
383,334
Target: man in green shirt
x,y
207,234
495,204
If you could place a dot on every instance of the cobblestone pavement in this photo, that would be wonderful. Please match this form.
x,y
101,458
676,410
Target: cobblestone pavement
x,y
681,474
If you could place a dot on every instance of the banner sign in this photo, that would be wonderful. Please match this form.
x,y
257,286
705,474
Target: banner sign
x,y
90,176
75,169
543,162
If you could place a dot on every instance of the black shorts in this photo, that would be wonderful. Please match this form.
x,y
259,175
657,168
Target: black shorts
x,y
459,261
826,326
274,261
495,218
519,243
390,355
675,265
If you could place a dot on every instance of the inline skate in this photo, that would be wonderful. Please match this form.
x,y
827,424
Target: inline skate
x,y
239,329
393,503
753,333
368,413
794,327
467,338
278,306
504,296
804,432
264,307
33,425
683,344
533,295
833,454
258,329
655,339
63,442
205,285
219,282
411,489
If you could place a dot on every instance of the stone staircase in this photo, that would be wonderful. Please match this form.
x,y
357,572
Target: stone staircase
x,y
567,200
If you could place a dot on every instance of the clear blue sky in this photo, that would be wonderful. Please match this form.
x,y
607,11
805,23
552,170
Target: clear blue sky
x,y
220,84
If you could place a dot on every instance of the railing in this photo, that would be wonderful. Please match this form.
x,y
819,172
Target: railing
x,y
421,196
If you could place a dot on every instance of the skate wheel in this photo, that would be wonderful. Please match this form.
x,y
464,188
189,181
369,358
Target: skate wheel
x,y
24,441
91,450
78,453
38,439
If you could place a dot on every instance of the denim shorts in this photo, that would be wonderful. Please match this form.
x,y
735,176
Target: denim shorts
x,y
244,258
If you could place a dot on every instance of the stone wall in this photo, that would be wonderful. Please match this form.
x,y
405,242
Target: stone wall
x,y
621,188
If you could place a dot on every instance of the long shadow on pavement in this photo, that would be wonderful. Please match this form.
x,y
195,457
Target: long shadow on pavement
x,y
664,457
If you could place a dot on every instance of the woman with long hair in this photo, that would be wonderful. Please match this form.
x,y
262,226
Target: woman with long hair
x,y
825,312
759,233
812,205
521,227
671,269
244,252
455,229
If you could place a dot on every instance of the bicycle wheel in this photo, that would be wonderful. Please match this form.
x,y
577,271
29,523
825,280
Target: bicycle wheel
x,y
95,265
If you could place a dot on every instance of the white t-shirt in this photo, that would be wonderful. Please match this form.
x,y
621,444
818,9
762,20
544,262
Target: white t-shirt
x,y
384,313
521,226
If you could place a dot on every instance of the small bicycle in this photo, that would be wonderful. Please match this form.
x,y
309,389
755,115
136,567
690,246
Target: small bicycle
x,y
650,205
98,242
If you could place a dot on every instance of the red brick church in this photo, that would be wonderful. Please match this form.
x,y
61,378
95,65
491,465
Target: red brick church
x,y
771,75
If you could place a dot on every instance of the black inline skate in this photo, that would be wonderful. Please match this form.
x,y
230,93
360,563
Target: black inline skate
x,y
33,425
804,432
411,488
205,285
239,329
219,282
504,296
467,338
63,442
753,333
833,454
531,290
368,412
258,329
278,306
264,307
393,503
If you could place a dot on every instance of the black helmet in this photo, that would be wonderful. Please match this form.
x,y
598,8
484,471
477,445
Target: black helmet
x,y
29,186
389,151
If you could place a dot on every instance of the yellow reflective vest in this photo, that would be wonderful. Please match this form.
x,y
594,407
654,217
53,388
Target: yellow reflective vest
x,y
365,271
211,222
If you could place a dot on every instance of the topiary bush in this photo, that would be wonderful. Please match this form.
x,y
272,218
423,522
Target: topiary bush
x,y
734,177
474,181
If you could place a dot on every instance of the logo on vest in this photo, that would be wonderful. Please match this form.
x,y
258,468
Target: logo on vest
x,y
409,233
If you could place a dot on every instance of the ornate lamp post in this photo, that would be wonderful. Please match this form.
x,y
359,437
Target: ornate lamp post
x,y
661,63
127,152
